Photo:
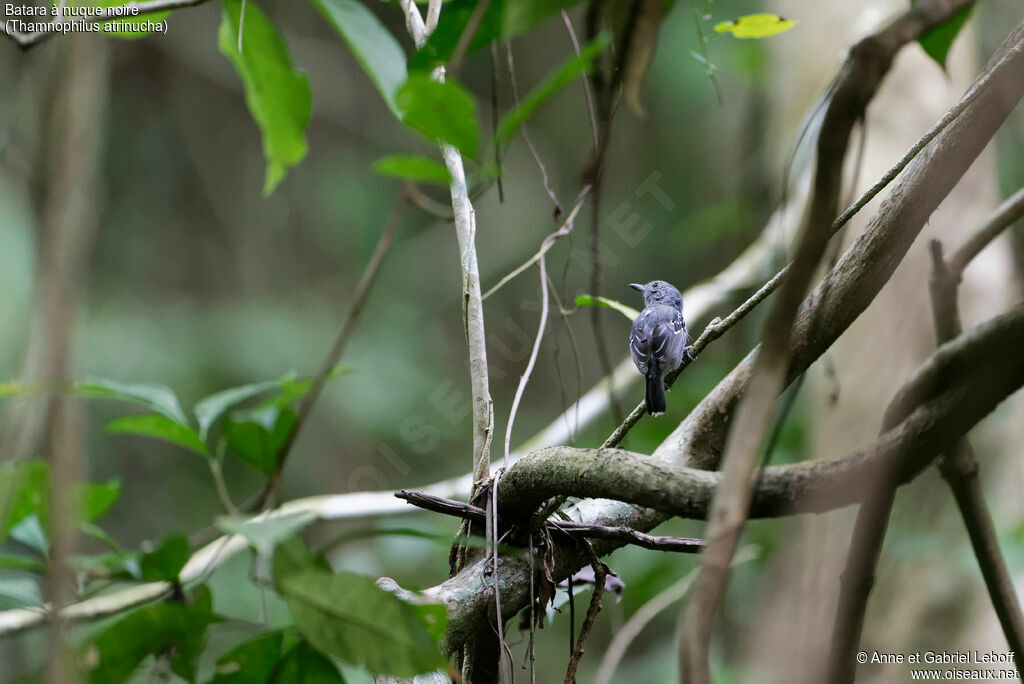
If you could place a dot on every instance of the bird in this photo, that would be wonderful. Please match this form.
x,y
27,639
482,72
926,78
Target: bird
x,y
658,339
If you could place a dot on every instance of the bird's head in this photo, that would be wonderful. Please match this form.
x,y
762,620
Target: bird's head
x,y
659,292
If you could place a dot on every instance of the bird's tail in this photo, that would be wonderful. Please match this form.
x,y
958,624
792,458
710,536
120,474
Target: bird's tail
x,y
655,395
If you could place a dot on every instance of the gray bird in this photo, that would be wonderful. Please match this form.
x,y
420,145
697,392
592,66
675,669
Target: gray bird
x,y
658,339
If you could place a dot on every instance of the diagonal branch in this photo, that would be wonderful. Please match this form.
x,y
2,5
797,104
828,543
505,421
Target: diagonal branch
x,y
867,64
959,466
362,293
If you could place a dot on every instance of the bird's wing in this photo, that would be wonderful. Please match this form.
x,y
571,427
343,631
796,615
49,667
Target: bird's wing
x,y
639,341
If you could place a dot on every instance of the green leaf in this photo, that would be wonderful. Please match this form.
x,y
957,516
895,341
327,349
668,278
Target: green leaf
x,y
19,591
251,662
211,408
501,19
293,389
11,561
266,533
91,501
348,616
589,300
24,491
292,556
160,427
376,50
277,94
755,26
164,563
117,565
554,82
938,40
303,664
100,535
413,168
167,626
258,436
440,111
30,532
14,387
159,398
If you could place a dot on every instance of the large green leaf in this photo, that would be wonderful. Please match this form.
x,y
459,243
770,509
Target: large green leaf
x,y
24,491
211,408
162,627
258,436
92,500
303,664
278,95
164,563
440,111
555,81
374,47
25,507
938,40
251,662
350,617
501,19
159,398
160,427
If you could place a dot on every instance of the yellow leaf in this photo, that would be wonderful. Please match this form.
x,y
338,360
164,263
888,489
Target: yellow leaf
x,y
755,26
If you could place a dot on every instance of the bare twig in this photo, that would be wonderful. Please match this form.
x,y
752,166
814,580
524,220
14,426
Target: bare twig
x,y
637,621
586,79
468,33
359,298
521,388
565,229
1008,212
429,204
526,133
433,14
576,530
869,61
600,573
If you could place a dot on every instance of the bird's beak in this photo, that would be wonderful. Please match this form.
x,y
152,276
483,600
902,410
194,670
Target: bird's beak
x,y
637,286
